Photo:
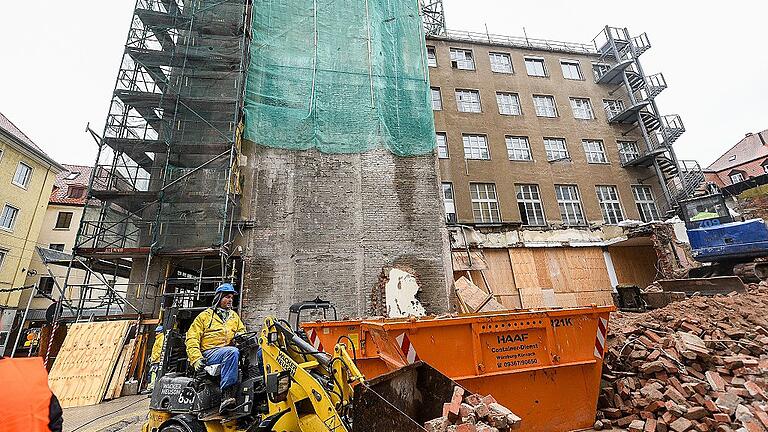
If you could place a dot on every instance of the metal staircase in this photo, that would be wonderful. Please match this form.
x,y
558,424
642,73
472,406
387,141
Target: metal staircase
x,y
619,66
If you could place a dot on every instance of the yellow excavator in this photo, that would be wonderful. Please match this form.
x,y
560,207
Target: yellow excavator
x,y
286,385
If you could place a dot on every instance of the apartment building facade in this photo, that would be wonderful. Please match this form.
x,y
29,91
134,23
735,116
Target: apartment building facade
x,y
544,146
27,175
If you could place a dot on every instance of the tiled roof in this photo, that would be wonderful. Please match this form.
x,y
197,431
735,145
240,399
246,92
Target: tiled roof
x,y
8,127
751,147
74,176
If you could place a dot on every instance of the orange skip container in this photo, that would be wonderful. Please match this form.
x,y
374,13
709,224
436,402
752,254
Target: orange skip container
x,y
545,365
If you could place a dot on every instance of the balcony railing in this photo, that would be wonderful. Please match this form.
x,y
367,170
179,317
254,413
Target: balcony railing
x,y
520,42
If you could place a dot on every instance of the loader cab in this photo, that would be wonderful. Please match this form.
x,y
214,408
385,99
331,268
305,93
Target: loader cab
x,y
313,310
705,212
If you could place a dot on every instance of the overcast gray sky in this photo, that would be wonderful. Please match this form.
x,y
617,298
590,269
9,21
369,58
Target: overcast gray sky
x,y
59,59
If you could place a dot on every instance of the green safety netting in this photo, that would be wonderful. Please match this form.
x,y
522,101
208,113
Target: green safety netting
x,y
342,76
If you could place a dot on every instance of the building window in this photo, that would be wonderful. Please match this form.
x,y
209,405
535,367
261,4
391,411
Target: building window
x,y
476,147
45,286
450,205
63,220
462,59
76,192
628,151
56,246
737,177
431,56
8,218
535,67
609,204
437,100
72,175
571,70
485,207
545,106
613,107
501,62
582,109
442,145
518,148
570,205
645,203
599,69
529,203
509,103
556,149
595,151
23,175
468,101
732,158
3,253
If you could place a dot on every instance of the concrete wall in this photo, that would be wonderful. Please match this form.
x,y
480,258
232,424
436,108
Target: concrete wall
x,y
326,225
504,172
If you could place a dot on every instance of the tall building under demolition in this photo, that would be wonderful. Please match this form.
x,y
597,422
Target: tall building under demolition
x,y
291,150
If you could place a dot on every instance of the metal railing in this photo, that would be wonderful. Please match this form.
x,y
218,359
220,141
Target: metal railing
x,y
520,42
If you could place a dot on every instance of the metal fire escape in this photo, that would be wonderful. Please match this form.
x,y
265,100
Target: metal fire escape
x,y
166,179
619,66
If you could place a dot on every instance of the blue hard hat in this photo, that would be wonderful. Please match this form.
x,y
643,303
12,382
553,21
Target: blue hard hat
x,y
158,329
226,288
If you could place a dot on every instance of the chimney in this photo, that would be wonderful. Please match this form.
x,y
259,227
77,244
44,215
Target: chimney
x,y
762,139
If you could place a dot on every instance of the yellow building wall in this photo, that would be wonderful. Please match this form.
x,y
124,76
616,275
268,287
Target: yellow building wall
x,y
19,243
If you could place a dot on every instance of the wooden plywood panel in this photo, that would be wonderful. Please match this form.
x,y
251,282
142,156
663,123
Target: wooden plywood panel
x,y
86,361
532,298
566,300
597,298
524,268
475,299
115,387
501,279
635,265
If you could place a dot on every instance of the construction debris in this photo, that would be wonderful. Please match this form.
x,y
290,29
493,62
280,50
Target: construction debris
x,y
696,365
467,412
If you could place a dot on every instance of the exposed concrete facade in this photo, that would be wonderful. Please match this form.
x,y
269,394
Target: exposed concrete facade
x,y
505,173
327,224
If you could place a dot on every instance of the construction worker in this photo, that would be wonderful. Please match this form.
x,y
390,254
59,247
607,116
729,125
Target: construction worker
x,y
154,359
26,402
209,341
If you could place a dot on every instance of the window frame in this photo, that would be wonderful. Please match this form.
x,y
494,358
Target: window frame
x,y
432,91
603,67
645,203
461,103
3,254
536,60
467,139
54,246
492,203
431,63
455,62
545,97
550,152
608,107
571,209
444,146
530,206
512,151
508,56
589,109
739,174
447,201
623,154
588,152
612,202
515,98
564,62
69,222
28,177
13,220
45,289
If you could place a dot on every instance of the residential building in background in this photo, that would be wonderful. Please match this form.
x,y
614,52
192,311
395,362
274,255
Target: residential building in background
x,y
745,160
544,143
27,175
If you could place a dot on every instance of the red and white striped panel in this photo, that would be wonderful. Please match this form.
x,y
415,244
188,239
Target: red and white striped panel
x,y
315,340
407,348
602,332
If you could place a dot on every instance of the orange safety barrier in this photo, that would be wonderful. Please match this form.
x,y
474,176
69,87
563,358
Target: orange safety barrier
x,y
544,365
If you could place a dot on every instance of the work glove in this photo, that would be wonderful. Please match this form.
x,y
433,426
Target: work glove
x,y
199,364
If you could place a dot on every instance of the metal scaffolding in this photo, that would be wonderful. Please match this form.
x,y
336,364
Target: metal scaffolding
x,y
619,66
166,179
433,17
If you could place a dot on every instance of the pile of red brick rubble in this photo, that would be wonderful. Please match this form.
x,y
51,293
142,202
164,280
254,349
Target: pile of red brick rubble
x,y
696,365
467,412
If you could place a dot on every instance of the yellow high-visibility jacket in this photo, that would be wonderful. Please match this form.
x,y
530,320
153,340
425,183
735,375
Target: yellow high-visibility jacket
x,y
157,348
209,331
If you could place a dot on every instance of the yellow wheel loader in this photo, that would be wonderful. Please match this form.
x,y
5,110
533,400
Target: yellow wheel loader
x,y
287,386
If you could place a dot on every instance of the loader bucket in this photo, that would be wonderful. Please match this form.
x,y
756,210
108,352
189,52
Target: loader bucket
x,y
402,400
704,286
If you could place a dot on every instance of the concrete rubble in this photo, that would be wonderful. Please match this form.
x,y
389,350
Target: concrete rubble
x,y
695,365
467,412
